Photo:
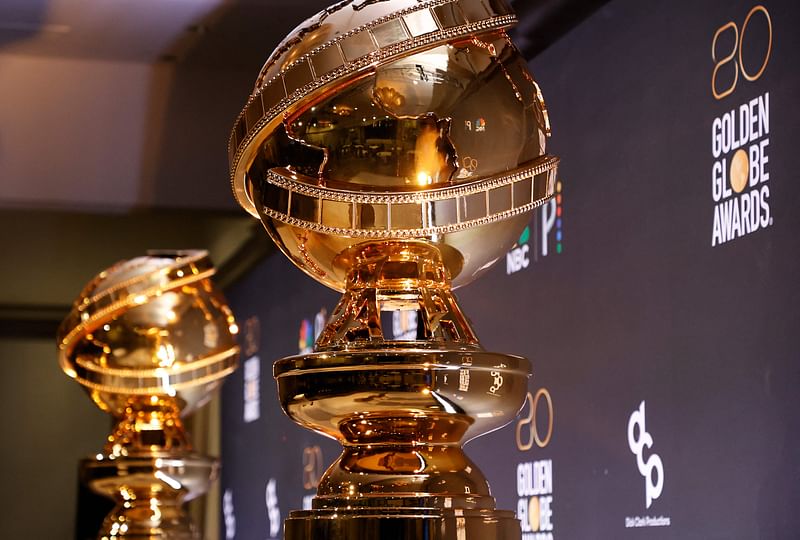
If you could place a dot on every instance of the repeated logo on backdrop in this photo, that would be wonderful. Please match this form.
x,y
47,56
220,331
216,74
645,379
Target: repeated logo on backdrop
x,y
740,176
228,515
535,477
404,325
310,331
273,509
252,389
545,231
313,467
640,441
252,370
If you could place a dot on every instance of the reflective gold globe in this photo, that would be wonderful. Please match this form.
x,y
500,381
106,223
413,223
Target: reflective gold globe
x,y
395,120
152,325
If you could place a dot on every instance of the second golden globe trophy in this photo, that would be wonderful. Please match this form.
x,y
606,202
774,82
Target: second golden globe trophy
x,y
394,151
150,339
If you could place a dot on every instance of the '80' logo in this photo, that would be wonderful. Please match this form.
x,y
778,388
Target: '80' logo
x,y
733,61
528,431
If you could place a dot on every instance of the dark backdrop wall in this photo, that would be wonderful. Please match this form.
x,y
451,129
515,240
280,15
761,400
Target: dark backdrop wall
x,y
657,296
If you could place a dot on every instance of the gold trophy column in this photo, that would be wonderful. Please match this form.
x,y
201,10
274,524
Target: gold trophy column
x,y
394,151
150,339
401,409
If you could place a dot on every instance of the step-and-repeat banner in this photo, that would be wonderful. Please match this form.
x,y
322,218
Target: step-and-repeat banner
x,y
657,296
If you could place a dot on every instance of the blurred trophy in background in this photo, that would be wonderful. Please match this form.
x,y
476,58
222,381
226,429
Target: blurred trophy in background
x,y
395,150
150,339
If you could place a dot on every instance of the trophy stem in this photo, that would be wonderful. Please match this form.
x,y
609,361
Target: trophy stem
x,y
148,422
409,476
401,409
151,518
401,275
149,492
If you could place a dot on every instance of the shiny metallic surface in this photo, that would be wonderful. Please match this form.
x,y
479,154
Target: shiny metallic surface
x,y
150,339
394,150
149,492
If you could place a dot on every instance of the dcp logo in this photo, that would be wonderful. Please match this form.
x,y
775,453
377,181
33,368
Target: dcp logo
x,y
637,443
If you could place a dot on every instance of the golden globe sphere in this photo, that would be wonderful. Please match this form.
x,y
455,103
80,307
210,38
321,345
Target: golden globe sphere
x,y
149,339
399,120
150,326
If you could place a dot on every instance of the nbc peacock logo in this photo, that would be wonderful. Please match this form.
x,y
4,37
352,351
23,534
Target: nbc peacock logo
x,y
545,232
310,331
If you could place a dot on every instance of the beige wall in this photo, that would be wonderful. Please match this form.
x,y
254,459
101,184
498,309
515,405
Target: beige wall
x,y
49,424
72,131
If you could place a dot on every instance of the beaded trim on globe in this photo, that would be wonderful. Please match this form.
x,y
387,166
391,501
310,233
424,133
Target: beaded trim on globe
x,y
85,314
158,380
408,215
535,167
416,27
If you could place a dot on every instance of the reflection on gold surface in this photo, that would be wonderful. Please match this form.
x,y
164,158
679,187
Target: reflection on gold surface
x,y
150,339
433,152
388,97
394,151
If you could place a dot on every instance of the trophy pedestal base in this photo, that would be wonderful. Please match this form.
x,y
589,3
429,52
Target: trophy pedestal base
x,y
402,524
149,492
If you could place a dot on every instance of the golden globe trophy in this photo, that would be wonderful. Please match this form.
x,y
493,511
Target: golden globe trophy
x,y
394,151
150,339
